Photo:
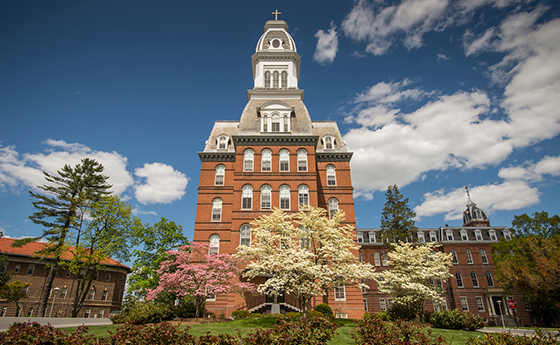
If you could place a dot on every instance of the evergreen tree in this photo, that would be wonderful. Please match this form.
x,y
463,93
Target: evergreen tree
x,y
397,219
61,210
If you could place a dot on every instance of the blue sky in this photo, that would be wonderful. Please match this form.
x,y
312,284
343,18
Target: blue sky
x,y
431,95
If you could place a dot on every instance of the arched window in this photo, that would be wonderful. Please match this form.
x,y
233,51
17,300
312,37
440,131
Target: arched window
x,y
222,142
474,279
245,235
264,123
91,294
266,192
468,254
284,160
266,160
286,123
305,238
331,175
214,247
454,256
275,77
376,259
328,143
490,279
220,174
384,259
483,256
247,197
217,210
248,157
361,256
284,79
303,195
459,278
284,197
333,207
267,79
302,160
275,123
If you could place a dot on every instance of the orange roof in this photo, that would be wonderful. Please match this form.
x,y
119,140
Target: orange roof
x,y
30,248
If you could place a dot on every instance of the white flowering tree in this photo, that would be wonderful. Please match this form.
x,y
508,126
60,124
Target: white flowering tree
x,y
415,275
304,254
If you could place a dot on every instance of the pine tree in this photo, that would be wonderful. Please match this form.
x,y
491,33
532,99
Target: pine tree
x,y
397,219
61,209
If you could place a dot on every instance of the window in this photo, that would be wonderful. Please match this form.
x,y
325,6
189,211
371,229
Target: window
x,y
266,160
360,237
25,288
87,313
421,238
220,174
459,278
464,304
331,175
4,267
284,160
468,254
17,268
30,269
365,304
284,79
284,197
108,277
217,210
384,258
266,194
376,259
361,256
382,304
304,239
91,294
275,124
340,293
372,237
210,295
480,303
454,256
507,234
104,295
222,142
100,313
214,247
286,123
328,143
478,235
333,208
267,79
489,279
63,292
247,197
433,236
492,234
303,196
265,123
474,279
302,160
449,234
248,160
275,79
483,256
464,235
96,275
245,235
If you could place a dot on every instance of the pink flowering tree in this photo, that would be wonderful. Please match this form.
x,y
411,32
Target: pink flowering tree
x,y
192,271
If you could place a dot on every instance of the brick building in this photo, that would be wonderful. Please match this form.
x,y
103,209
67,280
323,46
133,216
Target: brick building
x,y
106,293
275,156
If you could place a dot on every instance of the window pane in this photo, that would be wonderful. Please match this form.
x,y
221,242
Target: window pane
x,y
247,197
248,160
303,196
245,235
302,160
214,247
265,197
285,197
284,160
331,175
333,208
266,160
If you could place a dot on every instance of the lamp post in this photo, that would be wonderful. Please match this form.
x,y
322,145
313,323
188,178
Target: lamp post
x,y
501,313
52,305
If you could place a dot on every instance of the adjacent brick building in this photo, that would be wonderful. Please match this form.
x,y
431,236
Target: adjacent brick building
x,y
106,293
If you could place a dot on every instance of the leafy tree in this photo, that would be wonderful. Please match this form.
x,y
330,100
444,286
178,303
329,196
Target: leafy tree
x,y
61,210
415,275
397,218
14,292
530,263
305,254
4,276
154,241
192,271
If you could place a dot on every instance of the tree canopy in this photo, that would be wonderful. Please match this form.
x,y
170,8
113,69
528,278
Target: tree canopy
x,y
397,218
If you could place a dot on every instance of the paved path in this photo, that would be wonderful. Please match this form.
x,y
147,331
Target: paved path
x,y
57,322
514,331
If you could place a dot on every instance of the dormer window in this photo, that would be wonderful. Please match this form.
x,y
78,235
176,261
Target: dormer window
x,y
223,142
433,236
421,238
507,234
449,234
328,142
275,123
464,235
492,234
478,235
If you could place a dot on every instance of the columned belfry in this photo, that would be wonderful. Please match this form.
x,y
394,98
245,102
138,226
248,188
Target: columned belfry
x,y
275,156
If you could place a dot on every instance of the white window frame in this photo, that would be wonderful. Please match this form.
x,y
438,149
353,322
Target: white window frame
x,y
214,244
104,295
478,235
376,258
302,160
222,139
493,236
382,304
483,256
30,269
469,256
275,120
303,196
433,236
248,160
266,193
220,176
217,210
454,257
384,259
266,160
372,237
421,237
490,279
333,208
245,235
474,279
360,237
340,293
331,175
284,196
365,304
464,235
480,303
449,235
91,294
284,160
247,197
507,234
17,268
464,303
459,279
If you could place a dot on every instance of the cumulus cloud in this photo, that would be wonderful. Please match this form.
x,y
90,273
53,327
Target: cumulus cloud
x,y
26,169
162,184
327,46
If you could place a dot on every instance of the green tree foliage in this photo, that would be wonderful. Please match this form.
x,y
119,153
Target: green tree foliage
x,y
154,241
14,292
397,219
530,263
4,276
65,203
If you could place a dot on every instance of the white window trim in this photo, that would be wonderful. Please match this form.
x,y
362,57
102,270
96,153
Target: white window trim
x,y
298,160
338,291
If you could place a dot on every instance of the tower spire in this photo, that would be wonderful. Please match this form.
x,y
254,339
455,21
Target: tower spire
x,y
469,202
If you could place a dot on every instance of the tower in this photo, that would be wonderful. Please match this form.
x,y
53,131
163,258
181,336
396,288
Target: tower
x,y
275,156
473,215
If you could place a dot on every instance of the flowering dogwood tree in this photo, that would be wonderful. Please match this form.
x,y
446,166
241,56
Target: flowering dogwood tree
x,y
305,254
416,274
192,271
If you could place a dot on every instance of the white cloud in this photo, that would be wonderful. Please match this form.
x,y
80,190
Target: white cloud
x,y
136,211
442,57
386,93
163,184
532,172
474,45
327,46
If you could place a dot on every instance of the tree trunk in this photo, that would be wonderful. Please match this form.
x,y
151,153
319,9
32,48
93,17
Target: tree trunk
x,y
47,288
81,295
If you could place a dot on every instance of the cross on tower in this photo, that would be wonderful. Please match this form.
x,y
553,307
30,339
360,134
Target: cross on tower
x,y
276,13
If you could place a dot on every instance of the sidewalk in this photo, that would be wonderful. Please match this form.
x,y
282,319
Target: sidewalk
x,y
514,331
57,322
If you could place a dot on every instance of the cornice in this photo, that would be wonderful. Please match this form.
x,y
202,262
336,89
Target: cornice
x,y
268,139
217,156
333,156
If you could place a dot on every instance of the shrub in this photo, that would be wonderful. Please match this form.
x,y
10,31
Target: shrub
x,y
119,318
455,319
325,309
472,322
372,330
275,315
255,315
313,313
293,316
240,314
149,312
383,315
34,333
507,338
402,312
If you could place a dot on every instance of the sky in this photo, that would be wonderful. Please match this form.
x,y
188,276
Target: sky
x,y
430,95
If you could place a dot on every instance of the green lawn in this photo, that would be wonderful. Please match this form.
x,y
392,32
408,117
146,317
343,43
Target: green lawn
x,y
244,326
